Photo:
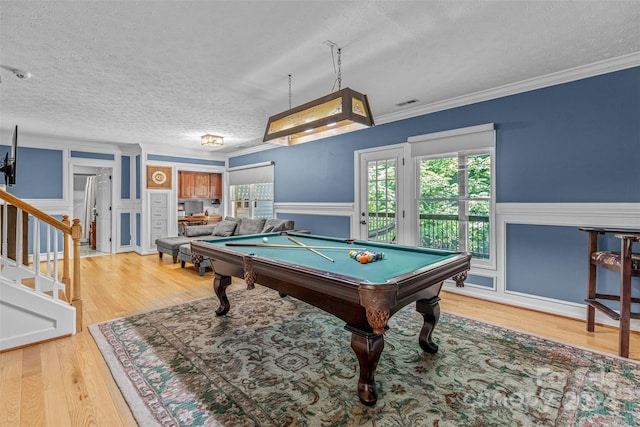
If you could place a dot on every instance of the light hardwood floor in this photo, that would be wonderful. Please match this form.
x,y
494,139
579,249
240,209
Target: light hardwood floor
x,y
66,382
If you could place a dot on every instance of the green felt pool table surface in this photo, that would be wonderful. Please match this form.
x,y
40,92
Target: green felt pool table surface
x,y
398,260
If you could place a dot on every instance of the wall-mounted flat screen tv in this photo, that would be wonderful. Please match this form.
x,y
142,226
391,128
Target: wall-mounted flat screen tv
x,y
9,165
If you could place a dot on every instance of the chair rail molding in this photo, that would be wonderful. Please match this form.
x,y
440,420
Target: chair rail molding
x,y
571,214
322,208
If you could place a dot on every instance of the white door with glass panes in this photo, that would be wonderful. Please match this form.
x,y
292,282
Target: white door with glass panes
x,y
380,198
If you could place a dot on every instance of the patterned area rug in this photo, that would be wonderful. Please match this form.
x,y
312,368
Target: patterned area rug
x,y
281,362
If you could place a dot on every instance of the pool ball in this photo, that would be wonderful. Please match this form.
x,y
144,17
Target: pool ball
x,y
265,239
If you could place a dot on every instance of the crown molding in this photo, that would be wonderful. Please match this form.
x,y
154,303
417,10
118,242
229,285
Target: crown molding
x,y
560,77
258,148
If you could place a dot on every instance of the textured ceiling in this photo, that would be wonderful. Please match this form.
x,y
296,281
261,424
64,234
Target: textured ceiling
x,y
165,72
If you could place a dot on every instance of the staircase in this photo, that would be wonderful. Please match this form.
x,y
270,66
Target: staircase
x,y
39,300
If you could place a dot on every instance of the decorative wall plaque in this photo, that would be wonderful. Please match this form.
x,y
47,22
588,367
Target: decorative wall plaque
x,y
159,177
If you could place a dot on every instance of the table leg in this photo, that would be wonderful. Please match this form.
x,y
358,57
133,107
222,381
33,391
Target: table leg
x,y
430,310
249,275
368,348
220,285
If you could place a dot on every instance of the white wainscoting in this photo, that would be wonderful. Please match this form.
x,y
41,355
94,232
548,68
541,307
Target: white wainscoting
x,y
334,209
622,215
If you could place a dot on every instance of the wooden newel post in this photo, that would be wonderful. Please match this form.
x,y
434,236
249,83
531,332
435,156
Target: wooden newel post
x,y
76,292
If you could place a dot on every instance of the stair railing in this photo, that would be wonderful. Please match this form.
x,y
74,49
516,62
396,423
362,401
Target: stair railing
x,y
48,280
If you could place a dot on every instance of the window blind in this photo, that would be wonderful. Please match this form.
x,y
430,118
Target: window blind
x,y
251,174
453,141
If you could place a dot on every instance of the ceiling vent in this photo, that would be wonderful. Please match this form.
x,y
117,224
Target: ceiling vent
x,y
411,101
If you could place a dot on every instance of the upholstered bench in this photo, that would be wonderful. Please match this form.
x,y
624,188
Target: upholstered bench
x,y
200,263
171,246
613,261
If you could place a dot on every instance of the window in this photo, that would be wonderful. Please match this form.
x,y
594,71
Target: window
x,y
455,203
252,200
251,191
455,196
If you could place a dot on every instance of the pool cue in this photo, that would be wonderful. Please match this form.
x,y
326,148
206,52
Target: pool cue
x,y
276,245
310,248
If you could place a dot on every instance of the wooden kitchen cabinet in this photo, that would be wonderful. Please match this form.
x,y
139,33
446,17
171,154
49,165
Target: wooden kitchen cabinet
x,y
202,186
199,185
216,185
186,185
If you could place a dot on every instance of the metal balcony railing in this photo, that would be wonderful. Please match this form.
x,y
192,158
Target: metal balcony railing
x,y
437,232
443,232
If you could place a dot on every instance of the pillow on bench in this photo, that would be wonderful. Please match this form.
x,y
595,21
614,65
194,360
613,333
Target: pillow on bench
x,y
273,225
238,221
225,228
250,226
260,225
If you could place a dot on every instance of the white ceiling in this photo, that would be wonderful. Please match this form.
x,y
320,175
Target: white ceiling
x,y
165,72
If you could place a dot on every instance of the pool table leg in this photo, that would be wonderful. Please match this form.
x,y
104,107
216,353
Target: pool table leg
x,y
368,348
220,285
430,310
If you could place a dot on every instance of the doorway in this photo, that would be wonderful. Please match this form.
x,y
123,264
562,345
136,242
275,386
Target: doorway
x,y
380,201
92,205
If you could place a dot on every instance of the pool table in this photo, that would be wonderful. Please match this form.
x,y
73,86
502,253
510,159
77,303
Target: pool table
x,y
365,296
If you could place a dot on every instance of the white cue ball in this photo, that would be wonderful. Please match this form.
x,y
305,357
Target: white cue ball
x,y
265,239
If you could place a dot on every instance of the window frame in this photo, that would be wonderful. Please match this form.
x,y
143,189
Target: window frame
x,y
250,175
250,203
468,141
461,200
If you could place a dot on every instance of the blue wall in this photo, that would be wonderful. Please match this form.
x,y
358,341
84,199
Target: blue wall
x,y
138,179
125,177
38,173
577,142
534,269
138,231
186,160
552,145
91,155
44,230
125,229
327,225
487,282
552,261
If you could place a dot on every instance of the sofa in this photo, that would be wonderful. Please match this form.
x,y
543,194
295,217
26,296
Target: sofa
x,y
179,247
